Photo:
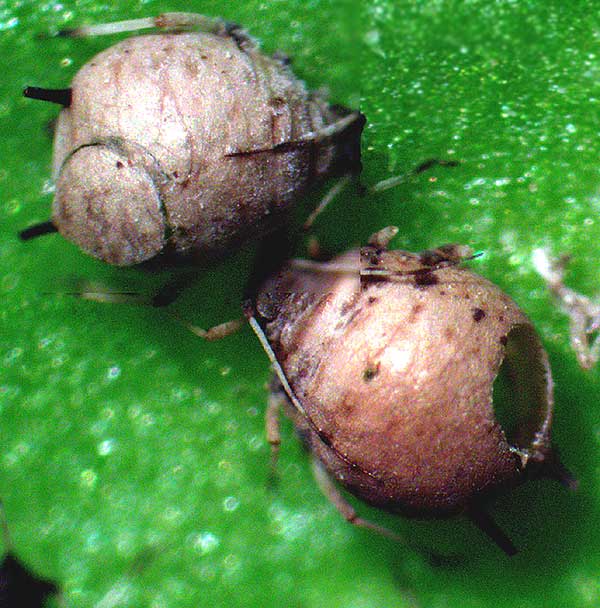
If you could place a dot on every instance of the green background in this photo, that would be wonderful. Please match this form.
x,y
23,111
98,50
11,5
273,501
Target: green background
x,y
133,464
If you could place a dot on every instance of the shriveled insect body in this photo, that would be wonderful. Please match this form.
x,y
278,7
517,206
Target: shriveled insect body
x,y
188,144
583,311
390,359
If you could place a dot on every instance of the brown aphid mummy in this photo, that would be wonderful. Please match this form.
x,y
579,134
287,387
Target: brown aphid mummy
x,y
389,361
188,143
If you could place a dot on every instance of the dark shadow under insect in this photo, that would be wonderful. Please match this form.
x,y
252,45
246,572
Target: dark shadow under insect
x,y
19,586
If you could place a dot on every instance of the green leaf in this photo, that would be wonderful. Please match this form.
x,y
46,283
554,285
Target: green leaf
x,y
133,464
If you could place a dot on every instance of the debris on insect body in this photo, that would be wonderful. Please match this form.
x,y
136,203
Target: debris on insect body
x,y
583,312
187,143
390,364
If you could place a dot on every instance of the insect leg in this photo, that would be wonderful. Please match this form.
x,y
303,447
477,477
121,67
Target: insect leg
x,y
172,289
276,401
216,332
169,292
553,468
381,239
330,195
100,294
484,521
328,487
396,180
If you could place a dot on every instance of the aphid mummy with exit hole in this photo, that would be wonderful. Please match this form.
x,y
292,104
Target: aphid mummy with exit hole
x,y
392,366
187,143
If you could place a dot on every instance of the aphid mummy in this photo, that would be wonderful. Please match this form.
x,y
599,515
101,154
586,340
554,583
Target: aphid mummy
x,y
188,143
391,378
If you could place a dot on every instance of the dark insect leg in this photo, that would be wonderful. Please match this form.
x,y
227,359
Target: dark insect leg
x,y
169,292
434,162
484,521
396,180
553,468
